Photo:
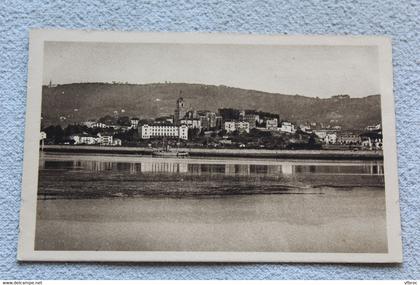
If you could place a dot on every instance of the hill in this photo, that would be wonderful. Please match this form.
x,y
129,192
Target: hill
x,y
83,101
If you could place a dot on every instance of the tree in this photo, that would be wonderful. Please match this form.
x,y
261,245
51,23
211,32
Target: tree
x,y
312,140
55,134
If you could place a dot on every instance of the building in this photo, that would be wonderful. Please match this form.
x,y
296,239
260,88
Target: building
x,y
330,138
89,124
374,128
252,119
271,124
212,119
117,142
230,127
84,139
348,138
180,111
99,125
105,139
170,131
134,123
372,140
287,127
43,135
240,126
191,123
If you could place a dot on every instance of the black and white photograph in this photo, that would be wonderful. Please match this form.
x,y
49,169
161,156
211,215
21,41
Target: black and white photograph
x,y
209,147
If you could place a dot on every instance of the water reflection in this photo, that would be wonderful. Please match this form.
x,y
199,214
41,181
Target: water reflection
x,y
201,167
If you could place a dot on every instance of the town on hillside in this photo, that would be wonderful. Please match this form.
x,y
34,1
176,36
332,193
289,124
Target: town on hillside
x,y
226,128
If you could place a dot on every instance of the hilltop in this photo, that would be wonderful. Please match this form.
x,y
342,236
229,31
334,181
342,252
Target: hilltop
x,y
83,101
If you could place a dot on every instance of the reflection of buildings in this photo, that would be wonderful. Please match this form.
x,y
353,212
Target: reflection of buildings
x,y
184,167
166,167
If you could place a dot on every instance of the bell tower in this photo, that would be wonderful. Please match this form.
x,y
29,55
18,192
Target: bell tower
x,y
180,110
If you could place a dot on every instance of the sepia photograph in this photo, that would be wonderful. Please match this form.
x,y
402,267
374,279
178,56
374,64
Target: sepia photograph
x,y
209,147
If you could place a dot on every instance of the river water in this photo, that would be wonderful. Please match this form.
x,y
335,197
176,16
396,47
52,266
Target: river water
x,y
125,202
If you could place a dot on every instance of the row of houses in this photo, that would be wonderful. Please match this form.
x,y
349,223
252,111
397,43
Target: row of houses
x,y
101,139
368,139
270,124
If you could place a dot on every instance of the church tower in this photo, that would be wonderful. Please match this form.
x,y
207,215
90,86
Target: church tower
x,y
180,110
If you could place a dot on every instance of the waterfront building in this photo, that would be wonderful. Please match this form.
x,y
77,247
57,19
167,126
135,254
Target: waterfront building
x,y
43,135
348,138
374,127
105,139
208,120
84,139
372,140
180,111
161,130
330,138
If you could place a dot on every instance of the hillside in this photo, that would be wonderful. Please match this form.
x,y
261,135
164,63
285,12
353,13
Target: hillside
x,y
83,101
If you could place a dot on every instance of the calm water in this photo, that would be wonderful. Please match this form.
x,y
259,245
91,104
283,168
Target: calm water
x,y
88,202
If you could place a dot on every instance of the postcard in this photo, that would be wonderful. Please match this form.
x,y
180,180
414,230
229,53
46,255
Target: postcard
x,y
190,147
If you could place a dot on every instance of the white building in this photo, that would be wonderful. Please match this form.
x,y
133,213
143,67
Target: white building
x,y
271,124
105,139
241,126
330,138
43,135
230,127
191,123
134,123
84,139
99,125
287,127
374,127
155,131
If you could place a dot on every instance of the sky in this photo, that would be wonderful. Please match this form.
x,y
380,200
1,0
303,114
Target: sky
x,y
314,71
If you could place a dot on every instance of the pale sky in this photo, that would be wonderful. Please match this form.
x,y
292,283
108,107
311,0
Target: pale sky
x,y
305,70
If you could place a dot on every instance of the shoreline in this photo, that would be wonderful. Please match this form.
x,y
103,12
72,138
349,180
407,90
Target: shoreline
x,y
254,153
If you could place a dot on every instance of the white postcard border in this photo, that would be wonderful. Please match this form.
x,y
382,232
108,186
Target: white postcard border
x,y
26,250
